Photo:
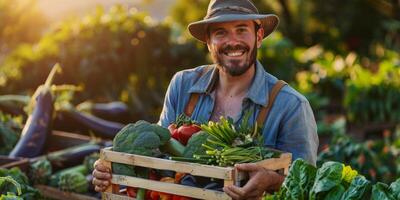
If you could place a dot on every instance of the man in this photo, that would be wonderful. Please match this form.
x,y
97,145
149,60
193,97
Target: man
x,y
235,84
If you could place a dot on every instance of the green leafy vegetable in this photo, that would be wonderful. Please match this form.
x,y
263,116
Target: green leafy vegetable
x,y
40,171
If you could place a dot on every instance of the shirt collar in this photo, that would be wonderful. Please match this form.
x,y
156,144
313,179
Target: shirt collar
x,y
258,91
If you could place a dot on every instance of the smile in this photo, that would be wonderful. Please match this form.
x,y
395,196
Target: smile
x,y
236,53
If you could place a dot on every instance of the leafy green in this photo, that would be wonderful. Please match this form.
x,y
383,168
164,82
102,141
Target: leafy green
x,y
73,182
328,176
299,181
333,181
90,160
194,145
382,191
8,138
40,171
6,187
358,189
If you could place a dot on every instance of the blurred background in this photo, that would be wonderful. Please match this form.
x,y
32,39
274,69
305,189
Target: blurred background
x,y
342,55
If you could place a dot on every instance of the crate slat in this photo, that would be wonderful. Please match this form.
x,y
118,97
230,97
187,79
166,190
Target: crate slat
x,y
282,162
111,196
163,164
57,194
170,188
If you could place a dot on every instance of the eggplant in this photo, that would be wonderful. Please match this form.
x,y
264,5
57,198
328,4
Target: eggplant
x,y
100,127
113,111
71,156
38,125
14,104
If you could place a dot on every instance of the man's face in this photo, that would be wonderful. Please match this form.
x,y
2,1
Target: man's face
x,y
233,45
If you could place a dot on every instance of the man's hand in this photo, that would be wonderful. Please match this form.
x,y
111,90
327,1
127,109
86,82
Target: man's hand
x,y
101,176
261,180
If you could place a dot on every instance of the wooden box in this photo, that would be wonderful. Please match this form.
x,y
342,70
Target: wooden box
x,y
228,174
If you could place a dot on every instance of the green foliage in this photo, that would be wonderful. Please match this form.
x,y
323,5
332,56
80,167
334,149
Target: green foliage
x,y
332,181
73,182
299,181
116,54
8,137
382,191
90,160
20,22
25,190
373,96
374,159
40,171
194,145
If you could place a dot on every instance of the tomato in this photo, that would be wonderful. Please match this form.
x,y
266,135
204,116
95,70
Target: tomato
x,y
154,195
165,196
175,135
186,131
131,191
176,197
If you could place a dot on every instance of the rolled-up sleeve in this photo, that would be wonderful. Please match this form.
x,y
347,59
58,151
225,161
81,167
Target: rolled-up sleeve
x,y
298,132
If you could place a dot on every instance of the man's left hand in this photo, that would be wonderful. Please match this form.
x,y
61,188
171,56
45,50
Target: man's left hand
x,y
260,180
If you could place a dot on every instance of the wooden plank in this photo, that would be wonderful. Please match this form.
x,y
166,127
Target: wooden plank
x,y
57,194
163,164
21,163
110,196
170,188
277,163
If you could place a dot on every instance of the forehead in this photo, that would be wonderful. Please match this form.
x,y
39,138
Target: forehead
x,y
230,24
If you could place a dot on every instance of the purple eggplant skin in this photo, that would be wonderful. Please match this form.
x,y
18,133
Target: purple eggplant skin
x,y
113,111
71,156
115,108
101,127
36,129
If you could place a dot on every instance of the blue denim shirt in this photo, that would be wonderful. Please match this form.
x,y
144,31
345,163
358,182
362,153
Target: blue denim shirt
x,y
290,126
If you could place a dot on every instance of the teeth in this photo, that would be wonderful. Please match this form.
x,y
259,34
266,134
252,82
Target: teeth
x,y
237,53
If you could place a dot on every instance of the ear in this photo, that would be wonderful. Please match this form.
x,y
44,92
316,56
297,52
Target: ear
x,y
208,42
208,45
260,36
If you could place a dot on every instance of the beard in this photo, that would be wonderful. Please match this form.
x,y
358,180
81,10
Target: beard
x,y
234,67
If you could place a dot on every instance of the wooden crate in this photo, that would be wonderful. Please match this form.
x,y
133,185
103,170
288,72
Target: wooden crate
x,y
228,174
54,193
21,163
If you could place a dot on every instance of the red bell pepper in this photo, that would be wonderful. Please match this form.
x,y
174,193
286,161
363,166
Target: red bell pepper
x,y
186,131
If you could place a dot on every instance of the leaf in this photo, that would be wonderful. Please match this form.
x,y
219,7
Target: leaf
x,y
328,177
299,180
358,189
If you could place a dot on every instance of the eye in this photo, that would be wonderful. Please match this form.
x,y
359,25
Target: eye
x,y
219,33
241,30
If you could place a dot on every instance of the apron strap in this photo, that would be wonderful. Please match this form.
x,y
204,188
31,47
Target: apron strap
x,y
263,114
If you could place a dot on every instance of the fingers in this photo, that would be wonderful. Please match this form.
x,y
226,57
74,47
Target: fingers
x,y
100,185
239,193
248,167
234,192
101,176
100,167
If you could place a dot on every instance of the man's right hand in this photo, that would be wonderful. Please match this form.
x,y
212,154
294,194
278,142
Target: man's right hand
x,y
101,176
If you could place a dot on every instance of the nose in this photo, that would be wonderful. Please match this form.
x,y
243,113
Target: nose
x,y
232,38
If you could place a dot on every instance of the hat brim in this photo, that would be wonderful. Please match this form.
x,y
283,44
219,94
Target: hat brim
x,y
198,29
